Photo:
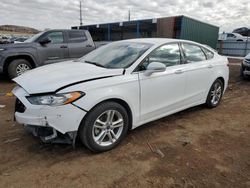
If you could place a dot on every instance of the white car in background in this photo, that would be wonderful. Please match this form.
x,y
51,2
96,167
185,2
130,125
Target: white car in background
x,y
232,37
118,87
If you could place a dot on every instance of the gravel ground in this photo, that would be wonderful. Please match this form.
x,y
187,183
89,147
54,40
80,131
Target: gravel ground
x,y
199,147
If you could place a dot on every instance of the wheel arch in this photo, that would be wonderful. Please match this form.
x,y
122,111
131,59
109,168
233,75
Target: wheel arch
x,y
218,78
222,80
9,59
122,103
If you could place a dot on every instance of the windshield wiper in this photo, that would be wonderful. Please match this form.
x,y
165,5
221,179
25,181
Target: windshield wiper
x,y
94,63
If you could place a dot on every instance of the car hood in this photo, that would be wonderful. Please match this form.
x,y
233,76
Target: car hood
x,y
50,78
247,56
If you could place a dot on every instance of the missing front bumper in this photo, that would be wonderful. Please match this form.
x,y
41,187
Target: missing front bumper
x,y
51,135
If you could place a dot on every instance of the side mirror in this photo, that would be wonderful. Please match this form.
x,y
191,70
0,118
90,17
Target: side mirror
x,y
44,41
155,67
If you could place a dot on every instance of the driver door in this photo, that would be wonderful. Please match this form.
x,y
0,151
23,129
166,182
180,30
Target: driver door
x,y
163,92
54,51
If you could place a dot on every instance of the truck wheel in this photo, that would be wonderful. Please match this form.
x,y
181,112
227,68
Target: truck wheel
x,y
18,67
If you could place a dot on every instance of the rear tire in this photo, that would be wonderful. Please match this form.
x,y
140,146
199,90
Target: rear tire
x,y
18,67
104,127
215,94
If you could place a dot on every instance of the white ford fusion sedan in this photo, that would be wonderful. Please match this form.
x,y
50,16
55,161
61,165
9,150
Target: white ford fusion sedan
x,y
116,88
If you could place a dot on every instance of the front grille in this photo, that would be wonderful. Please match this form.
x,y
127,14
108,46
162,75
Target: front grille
x,y
247,60
19,107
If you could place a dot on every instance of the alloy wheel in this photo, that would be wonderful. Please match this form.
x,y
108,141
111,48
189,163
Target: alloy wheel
x,y
108,128
216,93
22,68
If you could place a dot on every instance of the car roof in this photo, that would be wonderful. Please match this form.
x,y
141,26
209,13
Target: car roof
x,y
158,41
64,30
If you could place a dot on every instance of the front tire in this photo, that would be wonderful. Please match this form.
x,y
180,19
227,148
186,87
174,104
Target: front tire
x,y
104,127
215,94
18,67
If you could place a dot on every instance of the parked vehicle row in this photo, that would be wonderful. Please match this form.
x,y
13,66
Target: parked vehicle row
x,y
12,39
44,48
117,87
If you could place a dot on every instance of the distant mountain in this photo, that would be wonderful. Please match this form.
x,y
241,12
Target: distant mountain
x,y
18,29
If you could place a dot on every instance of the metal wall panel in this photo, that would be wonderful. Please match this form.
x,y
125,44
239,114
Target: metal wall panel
x,y
234,48
165,27
180,27
197,31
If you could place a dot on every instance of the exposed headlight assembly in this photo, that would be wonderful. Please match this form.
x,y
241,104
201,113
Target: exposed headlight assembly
x,y
246,62
55,99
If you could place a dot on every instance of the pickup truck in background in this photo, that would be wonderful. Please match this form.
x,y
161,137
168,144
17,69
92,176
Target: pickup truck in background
x,y
44,48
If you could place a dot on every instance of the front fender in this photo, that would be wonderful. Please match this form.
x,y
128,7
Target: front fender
x,y
19,52
125,88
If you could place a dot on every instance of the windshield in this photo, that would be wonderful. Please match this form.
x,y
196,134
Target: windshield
x,y
117,54
34,37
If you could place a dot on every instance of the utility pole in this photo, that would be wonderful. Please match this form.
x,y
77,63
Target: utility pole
x,y
80,13
128,15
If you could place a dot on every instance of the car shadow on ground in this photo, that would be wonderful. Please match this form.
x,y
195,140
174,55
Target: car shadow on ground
x,y
169,120
4,79
143,133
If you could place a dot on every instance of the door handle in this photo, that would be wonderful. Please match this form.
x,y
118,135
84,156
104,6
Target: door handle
x,y
178,72
63,46
210,66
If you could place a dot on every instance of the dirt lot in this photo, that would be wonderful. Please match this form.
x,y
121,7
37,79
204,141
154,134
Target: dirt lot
x,y
202,148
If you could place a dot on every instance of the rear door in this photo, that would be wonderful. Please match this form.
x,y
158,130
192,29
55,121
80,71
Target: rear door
x,y
199,73
56,50
78,44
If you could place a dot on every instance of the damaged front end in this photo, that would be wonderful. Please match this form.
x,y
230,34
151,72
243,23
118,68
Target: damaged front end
x,y
51,135
52,124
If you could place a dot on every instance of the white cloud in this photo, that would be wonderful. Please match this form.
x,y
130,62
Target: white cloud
x,y
42,14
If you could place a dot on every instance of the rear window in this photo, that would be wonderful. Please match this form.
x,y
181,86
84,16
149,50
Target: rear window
x,y
193,53
77,36
208,53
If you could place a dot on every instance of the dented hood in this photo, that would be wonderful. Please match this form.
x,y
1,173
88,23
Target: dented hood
x,y
50,78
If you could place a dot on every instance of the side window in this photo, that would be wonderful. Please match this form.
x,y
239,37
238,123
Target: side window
x,y
193,53
168,54
230,35
77,36
208,53
56,37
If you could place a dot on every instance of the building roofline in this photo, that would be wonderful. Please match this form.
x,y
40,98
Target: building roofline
x,y
146,19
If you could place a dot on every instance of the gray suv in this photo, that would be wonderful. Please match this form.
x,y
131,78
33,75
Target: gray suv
x,y
44,48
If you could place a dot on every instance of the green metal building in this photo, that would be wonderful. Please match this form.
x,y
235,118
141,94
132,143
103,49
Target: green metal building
x,y
179,27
